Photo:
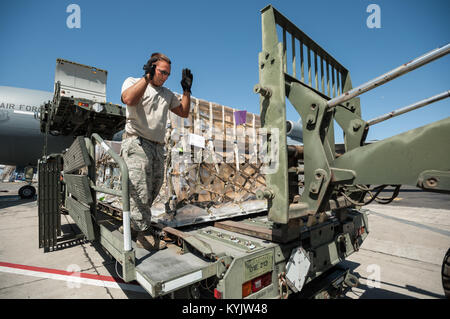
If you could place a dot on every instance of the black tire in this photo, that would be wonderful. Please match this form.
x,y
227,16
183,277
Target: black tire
x,y
446,274
27,192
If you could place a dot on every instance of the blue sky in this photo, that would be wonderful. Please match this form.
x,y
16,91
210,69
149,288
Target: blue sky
x,y
220,41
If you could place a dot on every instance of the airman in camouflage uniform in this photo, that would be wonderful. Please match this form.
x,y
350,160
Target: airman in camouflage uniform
x,y
145,161
148,103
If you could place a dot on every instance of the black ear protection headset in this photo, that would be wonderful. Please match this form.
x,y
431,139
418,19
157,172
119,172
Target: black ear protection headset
x,y
151,66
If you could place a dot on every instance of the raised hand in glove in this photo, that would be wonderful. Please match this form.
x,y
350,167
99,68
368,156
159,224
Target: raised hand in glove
x,y
186,80
150,67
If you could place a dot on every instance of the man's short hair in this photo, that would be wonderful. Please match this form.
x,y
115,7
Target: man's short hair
x,y
157,57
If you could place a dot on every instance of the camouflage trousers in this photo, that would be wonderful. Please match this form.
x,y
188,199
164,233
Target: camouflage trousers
x,y
145,161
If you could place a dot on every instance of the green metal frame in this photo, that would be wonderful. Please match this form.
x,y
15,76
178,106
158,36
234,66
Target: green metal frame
x,y
107,239
81,203
379,163
49,199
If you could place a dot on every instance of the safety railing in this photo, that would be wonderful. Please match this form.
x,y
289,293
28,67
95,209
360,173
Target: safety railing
x,y
308,62
124,192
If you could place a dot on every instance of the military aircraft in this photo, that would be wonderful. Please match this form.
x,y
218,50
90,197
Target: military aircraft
x,y
21,141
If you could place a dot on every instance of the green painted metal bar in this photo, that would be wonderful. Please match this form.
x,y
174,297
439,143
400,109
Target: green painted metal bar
x,y
328,80
391,75
332,82
346,117
124,191
322,76
338,75
106,190
409,108
309,67
284,50
302,62
273,114
315,72
294,68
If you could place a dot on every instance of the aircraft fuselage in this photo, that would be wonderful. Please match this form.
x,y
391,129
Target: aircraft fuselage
x,y
21,141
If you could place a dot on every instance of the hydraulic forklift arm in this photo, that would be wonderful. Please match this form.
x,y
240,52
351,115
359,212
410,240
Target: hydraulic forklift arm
x,y
321,92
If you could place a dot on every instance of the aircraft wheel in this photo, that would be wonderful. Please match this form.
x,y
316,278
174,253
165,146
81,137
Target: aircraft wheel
x,y
446,274
27,192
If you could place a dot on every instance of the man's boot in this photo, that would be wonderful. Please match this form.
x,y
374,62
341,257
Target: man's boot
x,y
148,241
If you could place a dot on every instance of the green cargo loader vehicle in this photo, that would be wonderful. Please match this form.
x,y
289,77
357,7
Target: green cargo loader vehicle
x,y
315,193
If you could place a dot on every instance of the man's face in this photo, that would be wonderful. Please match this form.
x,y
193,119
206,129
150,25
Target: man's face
x,y
162,72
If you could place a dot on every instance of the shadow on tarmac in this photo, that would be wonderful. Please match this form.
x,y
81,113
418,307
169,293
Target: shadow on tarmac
x,y
14,200
379,293
114,268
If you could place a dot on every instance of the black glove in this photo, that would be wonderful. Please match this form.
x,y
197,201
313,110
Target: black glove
x,y
150,67
186,80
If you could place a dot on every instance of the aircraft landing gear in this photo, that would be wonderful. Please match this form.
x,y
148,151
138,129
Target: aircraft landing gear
x,y
446,274
27,192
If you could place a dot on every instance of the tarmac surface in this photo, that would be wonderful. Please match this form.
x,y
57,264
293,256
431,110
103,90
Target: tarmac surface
x,y
400,259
